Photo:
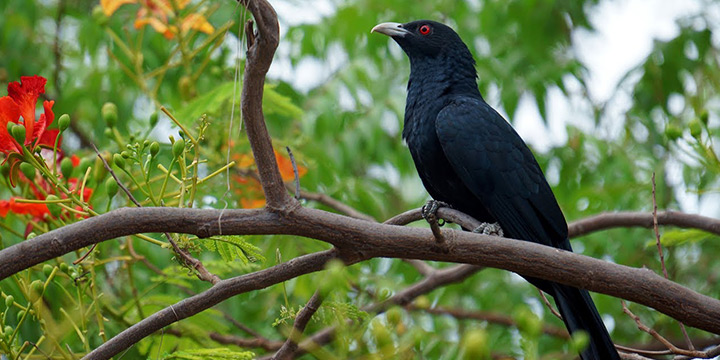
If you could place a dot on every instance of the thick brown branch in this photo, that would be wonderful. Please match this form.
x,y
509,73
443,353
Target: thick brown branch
x,y
259,56
367,239
642,219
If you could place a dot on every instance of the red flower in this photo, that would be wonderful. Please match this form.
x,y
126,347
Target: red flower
x,y
20,104
37,211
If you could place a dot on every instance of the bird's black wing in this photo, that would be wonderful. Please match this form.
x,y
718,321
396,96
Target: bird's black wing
x,y
499,169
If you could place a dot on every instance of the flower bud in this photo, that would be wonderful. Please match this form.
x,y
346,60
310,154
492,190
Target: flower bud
x,y
28,170
153,119
119,161
64,267
704,117
109,113
63,122
18,133
47,269
99,15
178,147
673,132
37,286
111,187
125,154
154,148
695,128
84,165
9,301
66,167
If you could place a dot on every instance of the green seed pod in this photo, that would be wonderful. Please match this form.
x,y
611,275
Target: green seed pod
x,y
153,119
18,133
8,330
111,187
146,143
66,167
178,147
9,301
100,171
28,170
119,161
125,154
695,128
20,315
54,208
47,269
63,122
64,267
109,113
154,148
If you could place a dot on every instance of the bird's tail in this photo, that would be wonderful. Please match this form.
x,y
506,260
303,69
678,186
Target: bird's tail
x,y
579,313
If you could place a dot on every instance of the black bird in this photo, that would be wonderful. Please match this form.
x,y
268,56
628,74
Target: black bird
x,y
469,157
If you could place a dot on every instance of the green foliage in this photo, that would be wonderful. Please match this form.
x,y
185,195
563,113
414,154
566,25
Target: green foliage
x,y
232,247
210,354
159,111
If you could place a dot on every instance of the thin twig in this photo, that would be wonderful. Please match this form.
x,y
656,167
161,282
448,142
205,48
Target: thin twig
x,y
549,306
295,171
288,349
660,338
117,180
662,256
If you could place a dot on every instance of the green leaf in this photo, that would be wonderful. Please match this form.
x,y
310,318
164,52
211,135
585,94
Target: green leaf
x,y
210,354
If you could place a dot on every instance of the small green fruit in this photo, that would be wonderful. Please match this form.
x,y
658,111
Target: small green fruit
x,y
9,301
154,148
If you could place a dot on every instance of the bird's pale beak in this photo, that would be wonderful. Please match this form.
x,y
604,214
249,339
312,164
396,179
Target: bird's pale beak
x,y
390,29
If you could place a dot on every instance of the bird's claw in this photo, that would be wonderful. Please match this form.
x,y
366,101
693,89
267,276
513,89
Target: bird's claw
x,y
492,229
429,211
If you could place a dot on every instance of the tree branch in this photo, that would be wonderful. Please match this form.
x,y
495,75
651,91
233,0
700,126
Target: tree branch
x,y
261,48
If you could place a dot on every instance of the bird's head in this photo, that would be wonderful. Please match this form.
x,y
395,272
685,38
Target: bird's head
x,y
424,39
433,48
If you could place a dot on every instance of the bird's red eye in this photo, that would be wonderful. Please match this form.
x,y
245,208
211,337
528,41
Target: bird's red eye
x,y
425,29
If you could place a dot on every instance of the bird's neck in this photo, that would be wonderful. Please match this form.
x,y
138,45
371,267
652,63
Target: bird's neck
x,y
441,76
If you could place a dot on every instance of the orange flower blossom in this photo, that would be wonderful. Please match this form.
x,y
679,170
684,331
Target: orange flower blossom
x,y
156,13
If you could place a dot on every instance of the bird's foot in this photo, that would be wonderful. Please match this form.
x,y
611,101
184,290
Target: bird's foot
x,y
492,229
429,211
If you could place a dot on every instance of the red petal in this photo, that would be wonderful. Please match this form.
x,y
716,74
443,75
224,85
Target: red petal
x,y
9,112
41,126
25,94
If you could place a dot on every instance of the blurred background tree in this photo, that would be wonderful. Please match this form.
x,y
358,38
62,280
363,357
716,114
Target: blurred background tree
x,y
336,98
